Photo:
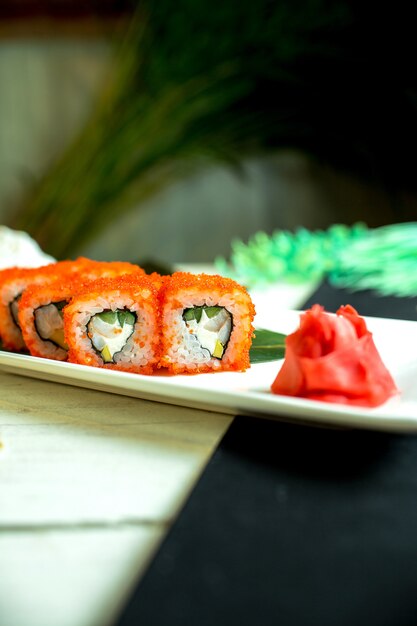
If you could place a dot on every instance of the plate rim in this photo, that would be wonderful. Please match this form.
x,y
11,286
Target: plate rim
x,y
193,391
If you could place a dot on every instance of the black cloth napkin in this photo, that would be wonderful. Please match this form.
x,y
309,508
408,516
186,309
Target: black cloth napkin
x,y
294,526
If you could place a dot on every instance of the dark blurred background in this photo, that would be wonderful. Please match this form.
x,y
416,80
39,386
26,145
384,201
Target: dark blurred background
x,y
317,125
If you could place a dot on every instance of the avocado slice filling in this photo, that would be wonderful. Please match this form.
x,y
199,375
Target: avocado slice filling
x,y
211,325
109,332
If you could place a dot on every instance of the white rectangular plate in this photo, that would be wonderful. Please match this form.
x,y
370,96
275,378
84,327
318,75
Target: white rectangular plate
x,y
249,393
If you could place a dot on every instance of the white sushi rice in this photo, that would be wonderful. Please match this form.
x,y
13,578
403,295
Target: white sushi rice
x,y
132,353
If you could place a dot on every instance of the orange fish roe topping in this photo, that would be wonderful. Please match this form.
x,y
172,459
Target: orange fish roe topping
x,y
182,350
11,272
125,281
105,268
181,280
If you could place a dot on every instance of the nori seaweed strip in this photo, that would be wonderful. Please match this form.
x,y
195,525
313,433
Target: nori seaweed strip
x,y
14,309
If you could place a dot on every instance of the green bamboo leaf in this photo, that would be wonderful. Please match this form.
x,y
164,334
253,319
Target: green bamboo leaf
x,y
267,345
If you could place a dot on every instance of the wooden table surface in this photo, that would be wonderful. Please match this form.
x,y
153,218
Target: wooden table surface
x,y
89,484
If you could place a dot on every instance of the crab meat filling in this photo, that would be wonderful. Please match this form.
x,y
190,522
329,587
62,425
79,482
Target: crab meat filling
x,y
50,324
109,331
211,325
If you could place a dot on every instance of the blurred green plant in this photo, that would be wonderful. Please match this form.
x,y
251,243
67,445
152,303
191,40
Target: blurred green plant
x,y
295,257
352,257
193,82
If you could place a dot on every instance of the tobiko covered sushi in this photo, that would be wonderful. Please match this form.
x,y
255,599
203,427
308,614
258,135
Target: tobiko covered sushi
x,y
207,324
113,315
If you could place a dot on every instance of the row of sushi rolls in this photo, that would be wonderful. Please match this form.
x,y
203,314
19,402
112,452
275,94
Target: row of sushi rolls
x,y
114,315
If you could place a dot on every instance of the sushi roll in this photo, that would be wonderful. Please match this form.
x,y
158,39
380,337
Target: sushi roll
x,y
14,282
206,324
41,317
115,323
